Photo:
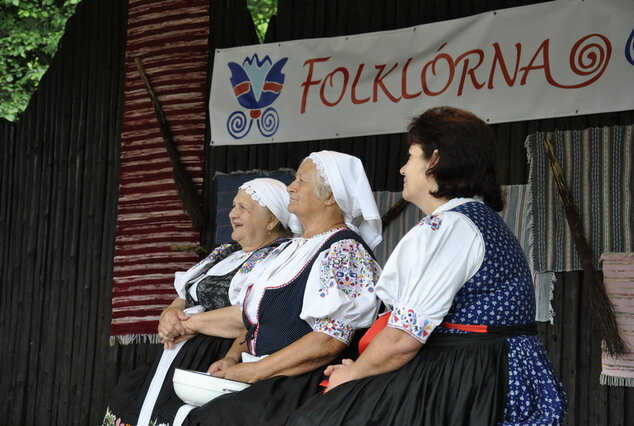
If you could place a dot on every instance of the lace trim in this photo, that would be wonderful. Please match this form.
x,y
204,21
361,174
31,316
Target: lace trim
x,y
251,191
321,234
320,166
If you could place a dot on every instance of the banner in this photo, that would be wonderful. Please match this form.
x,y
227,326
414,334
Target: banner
x,y
554,59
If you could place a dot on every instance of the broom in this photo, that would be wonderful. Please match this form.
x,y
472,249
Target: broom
x,y
600,305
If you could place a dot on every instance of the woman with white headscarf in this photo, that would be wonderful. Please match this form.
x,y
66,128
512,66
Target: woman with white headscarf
x,y
302,311
201,323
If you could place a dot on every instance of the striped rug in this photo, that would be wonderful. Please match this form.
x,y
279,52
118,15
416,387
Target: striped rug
x,y
618,277
170,37
599,170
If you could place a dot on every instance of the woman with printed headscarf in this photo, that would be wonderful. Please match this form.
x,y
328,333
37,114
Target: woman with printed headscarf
x,y
201,323
301,313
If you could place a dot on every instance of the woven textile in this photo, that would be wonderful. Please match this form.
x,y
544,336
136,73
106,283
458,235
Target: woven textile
x,y
171,39
618,277
597,164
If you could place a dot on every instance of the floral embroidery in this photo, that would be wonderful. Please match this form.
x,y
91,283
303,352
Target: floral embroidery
x,y
408,320
348,268
254,259
110,419
433,220
214,253
334,328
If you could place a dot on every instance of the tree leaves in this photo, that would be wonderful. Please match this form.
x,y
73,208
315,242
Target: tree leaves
x,y
261,11
29,35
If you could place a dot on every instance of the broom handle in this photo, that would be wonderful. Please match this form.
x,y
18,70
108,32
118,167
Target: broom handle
x,y
184,183
600,305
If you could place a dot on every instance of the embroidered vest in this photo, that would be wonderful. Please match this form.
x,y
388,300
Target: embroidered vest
x,y
279,323
501,291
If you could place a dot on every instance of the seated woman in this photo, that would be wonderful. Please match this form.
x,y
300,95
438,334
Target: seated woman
x,y
302,311
460,345
200,325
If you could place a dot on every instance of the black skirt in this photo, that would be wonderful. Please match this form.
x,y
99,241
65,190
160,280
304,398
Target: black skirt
x,y
128,396
269,402
455,379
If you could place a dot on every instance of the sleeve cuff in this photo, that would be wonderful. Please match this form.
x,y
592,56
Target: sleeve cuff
x,y
335,329
411,322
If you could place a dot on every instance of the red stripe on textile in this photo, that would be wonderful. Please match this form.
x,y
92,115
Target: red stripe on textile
x,y
171,38
466,327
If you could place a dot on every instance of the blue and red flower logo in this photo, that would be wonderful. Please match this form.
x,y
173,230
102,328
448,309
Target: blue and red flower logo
x,y
256,84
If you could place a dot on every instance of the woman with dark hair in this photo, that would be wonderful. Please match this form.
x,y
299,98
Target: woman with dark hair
x,y
459,342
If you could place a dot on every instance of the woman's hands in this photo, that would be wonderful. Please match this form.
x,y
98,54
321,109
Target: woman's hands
x,y
390,349
340,373
230,368
172,329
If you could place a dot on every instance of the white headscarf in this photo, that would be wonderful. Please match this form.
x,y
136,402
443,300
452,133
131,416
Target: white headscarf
x,y
349,184
272,194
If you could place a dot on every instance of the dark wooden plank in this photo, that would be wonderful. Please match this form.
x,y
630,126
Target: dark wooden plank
x,y
587,382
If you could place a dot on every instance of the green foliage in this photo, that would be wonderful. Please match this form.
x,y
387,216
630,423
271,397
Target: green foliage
x,y
29,34
261,11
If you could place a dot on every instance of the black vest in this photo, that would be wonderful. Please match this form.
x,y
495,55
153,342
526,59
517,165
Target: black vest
x,y
278,313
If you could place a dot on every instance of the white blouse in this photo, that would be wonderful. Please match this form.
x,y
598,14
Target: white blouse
x,y
226,265
428,267
339,295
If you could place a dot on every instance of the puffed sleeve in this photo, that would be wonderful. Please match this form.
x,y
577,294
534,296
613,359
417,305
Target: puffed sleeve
x,y
340,291
182,278
426,269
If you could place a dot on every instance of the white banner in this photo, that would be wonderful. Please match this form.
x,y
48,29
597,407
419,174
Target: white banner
x,y
552,59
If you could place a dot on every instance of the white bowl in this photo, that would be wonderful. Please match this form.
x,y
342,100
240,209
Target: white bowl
x,y
198,387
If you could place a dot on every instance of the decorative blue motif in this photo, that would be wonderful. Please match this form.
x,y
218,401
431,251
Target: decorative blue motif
x,y
410,321
433,220
256,84
629,48
254,259
211,256
349,268
334,328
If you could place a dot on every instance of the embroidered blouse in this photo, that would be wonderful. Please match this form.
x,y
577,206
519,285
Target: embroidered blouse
x,y
428,267
339,295
230,262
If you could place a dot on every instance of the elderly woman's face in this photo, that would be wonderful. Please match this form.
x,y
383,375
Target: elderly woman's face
x,y
249,221
303,200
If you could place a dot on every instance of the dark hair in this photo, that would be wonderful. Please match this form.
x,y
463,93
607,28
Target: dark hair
x,y
466,147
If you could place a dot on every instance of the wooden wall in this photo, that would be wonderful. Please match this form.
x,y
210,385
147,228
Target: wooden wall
x,y
58,174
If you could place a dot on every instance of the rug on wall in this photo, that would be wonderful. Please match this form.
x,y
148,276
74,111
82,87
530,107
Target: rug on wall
x,y
598,165
618,278
171,38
